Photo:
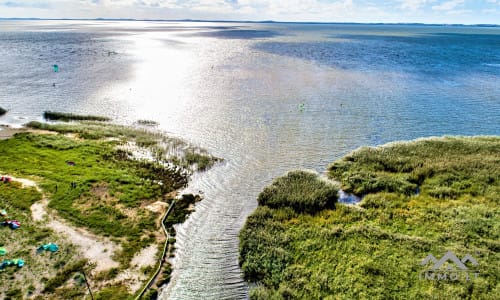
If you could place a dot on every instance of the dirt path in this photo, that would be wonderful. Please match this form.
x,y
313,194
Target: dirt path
x,y
134,276
98,250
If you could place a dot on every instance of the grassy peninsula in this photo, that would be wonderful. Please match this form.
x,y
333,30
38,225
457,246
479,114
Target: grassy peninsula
x,y
423,197
110,184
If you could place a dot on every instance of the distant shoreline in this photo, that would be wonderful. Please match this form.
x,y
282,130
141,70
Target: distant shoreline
x,y
258,22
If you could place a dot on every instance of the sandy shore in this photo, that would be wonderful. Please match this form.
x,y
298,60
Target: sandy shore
x,y
6,131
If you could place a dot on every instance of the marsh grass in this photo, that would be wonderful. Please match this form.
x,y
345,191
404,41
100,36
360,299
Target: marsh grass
x,y
446,167
374,250
61,116
300,190
163,149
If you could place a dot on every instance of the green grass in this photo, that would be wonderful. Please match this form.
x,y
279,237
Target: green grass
x,y
99,173
163,149
95,130
20,283
443,168
105,189
61,116
302,191
374,250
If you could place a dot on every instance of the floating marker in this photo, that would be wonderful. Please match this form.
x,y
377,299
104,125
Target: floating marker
x,y
301,107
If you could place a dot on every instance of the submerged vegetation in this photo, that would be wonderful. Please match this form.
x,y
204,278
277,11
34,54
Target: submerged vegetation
x,y
139,143
97,177
60,116
147,122
423,197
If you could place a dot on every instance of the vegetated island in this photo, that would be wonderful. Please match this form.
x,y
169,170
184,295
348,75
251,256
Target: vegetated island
x,y
100,192
436,196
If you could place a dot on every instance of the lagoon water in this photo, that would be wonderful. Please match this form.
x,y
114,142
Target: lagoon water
x,y
267,98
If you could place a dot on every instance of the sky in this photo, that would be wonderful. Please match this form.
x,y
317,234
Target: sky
x,y
364,11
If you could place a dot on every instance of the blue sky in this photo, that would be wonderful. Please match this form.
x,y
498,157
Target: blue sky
x,y
422,11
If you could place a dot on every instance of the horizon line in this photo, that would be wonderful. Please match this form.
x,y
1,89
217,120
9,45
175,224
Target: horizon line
x,y
247,21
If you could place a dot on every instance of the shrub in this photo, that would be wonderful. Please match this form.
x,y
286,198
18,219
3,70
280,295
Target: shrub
x,y
300,190
117,292
63,275
152,294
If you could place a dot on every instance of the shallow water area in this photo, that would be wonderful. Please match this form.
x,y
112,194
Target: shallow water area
x,y
347,198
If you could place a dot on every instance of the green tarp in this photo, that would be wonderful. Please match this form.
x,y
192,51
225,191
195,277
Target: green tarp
x,y
14,262
48,247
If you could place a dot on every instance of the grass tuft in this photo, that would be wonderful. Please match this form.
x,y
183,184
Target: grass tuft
x,y
301,191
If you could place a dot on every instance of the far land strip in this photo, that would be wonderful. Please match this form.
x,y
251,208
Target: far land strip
x,y
100,192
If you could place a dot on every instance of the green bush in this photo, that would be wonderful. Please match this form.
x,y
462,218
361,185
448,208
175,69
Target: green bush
x,y
117,292
152,294
302,191
63,275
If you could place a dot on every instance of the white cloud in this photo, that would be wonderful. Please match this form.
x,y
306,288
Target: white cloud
x,y
459,12
493,11
413,4
26,4
449,5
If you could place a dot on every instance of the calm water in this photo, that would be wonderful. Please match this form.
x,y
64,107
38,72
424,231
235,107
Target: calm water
x,y
236,90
